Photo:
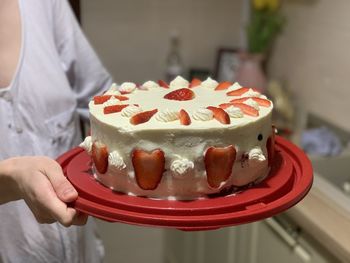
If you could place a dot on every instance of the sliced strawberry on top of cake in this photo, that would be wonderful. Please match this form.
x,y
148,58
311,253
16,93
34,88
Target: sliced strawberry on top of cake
x,y
121,98
238,92
195,83
100,99
248,110
163,84
148,167
114,108
262,102
142,117
223,85
185,118
218,164
180,94
220,115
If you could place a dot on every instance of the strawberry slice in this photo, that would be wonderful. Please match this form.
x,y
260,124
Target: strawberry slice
x,y
225,105
223,85
218,164
121,98
240,100
262,102
195,83
180,94
249,110
220,115
270,145
99,155
237,92
142,117
184,118
114,108
100,99
124,92
148,167
163,84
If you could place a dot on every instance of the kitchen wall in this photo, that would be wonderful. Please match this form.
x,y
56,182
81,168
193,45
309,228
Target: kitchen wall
x,y
132,37
313,56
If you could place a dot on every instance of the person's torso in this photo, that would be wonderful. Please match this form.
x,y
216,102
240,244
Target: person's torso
x,y
38,117
38,110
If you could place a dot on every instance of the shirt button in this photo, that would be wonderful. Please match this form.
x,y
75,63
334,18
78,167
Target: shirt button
x,y
19,130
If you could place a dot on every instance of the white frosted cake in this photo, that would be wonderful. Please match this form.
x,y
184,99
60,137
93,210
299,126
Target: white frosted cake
x,y
185,140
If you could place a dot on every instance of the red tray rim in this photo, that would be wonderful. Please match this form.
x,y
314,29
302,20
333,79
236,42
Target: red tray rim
x,y
298,159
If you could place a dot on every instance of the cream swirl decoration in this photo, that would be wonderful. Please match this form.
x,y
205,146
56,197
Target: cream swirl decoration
x,y
234,86
202,114
252,103
127,87
181,167
113,90
235,112
257,154
167,115
116,161
178,82
87,144
210,83
111,102
131,110
150,85
251,93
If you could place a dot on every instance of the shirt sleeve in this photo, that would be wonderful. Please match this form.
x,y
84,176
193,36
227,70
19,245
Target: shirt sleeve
x,y
85,72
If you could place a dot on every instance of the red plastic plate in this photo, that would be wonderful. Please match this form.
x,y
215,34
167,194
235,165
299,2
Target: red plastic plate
x,y
288,182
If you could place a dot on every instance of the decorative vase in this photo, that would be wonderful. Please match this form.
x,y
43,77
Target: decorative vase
x,y
250,72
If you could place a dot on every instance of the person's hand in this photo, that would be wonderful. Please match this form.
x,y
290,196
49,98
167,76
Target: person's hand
x,y
46,191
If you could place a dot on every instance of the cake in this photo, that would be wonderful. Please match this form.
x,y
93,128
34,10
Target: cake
x,y
180,140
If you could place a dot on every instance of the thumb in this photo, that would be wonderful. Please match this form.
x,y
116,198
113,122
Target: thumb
x,y
63,188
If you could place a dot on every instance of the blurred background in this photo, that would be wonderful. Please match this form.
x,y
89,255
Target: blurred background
x,y
296,51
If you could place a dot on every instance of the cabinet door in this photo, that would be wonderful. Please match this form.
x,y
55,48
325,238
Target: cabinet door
x,y
266,241
200,247
272,242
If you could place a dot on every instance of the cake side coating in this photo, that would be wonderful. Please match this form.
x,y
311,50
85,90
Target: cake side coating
x,y
185,149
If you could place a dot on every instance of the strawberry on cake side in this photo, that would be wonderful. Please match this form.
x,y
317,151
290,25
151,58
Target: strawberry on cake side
x,y
182,140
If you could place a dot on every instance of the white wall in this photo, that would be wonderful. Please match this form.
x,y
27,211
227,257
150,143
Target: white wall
x,y
313,56
132,37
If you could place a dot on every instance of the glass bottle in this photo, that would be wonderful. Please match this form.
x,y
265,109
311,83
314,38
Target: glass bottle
x,y
173,61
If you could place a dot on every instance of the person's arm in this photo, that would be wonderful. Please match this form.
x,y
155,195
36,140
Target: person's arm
x,y
83,68
40,182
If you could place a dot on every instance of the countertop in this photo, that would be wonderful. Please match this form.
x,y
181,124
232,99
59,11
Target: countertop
x,y
323,217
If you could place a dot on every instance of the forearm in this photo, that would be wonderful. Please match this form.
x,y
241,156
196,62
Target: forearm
x,y
8,185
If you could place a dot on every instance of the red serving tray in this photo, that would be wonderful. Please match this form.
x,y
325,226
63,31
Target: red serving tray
x,y
289,181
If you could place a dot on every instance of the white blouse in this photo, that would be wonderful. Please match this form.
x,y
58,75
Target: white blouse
x,y
57,74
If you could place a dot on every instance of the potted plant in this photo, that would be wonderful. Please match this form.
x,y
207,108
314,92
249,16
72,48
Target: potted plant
x,y
265,23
